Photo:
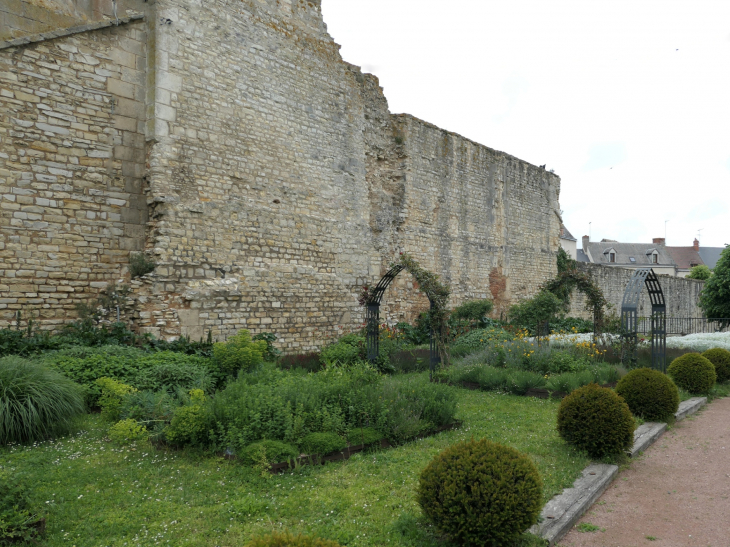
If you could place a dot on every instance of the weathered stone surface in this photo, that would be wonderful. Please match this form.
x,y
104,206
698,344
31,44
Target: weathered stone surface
x,y
689,407
563,511
645,435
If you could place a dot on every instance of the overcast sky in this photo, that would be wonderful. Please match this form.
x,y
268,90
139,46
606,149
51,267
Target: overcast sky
x,y
628,101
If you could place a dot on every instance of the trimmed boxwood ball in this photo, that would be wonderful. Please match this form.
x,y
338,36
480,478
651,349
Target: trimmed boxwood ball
x,y
597,420
649,393
287,540
693,373
719,357
481,492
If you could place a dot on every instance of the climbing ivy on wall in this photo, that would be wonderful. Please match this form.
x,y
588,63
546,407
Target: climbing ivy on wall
x,y
570,277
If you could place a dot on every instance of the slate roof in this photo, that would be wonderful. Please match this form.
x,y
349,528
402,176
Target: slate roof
x,y
685,257
710,255
565,234
640,252
580,256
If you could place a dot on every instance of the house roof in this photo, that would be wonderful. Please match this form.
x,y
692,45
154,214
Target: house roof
x,y
625,252
710,255
581,256
565,234
685,257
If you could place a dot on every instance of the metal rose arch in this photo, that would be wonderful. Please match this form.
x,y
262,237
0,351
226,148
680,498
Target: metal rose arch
x,y
373,319
644,277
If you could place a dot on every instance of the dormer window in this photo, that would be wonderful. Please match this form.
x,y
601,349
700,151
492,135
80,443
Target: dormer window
x,y
632,259
653,256
612,257
654,259
610,254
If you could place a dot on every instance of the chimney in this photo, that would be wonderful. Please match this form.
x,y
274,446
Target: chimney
x,y
696,245
586,239
658,241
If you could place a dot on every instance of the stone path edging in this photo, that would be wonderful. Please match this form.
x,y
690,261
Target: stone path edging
x,y
563,511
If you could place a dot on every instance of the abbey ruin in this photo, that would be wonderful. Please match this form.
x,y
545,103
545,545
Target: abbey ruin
x,y
266,178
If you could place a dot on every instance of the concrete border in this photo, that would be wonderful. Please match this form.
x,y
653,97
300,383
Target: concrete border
x,y
563,511
645,436
51,34
689,407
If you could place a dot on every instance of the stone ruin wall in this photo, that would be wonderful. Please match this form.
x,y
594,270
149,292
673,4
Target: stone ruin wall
x,y
681,295
264,175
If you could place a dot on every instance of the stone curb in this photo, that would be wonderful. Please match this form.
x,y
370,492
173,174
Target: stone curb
x,y
689,407
645,436
49,35
562,511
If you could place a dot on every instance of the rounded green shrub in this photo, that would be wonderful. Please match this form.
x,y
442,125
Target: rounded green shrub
x,y
364,435
240,352
322,443
597,420
35,402
649,393
268,452
719,357
481,492
693,373
287,540
127,432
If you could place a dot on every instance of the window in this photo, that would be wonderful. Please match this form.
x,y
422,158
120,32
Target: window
x,y
612,257
655,259
632,259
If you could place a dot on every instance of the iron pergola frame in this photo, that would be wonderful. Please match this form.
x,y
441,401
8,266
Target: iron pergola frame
x,y
373,320
644,277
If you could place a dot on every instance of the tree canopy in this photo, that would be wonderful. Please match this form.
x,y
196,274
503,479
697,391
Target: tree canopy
x,y
715,297
700,272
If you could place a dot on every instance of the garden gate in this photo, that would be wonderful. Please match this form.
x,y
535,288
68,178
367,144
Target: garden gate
x,y
630,318
373,319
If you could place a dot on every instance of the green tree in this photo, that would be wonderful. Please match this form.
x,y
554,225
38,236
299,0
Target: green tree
x,y
700,272
715,297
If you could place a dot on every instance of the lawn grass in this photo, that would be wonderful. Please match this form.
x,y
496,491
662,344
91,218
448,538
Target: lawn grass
x,y
95,493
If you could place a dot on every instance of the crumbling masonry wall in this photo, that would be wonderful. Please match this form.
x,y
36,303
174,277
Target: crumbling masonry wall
x,y
277,184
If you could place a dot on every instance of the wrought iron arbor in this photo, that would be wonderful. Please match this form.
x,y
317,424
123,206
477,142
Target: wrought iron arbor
x,y
373,319
630,317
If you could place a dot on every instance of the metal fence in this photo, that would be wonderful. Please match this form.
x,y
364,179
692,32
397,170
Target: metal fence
x,y
686,325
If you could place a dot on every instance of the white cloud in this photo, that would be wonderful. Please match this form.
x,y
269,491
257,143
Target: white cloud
x,y
576,86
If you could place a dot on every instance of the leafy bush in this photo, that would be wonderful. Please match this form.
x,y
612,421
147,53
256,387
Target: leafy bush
x,y
272,353
476,340
565,361
113,393
310,361
140,265
520,382
17,521
153,410
544,306
411,360
701,272
35,402
489,378
322,443
240,352
363,435
597,420
570,381
167,371
417,334
481,493
287,540
473,310
650,394
268,452
719,357
127,432
348,349
188,424
715,296
693,373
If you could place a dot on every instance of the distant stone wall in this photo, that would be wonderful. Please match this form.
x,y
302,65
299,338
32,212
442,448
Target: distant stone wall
x,y
681,295
71,168
266,177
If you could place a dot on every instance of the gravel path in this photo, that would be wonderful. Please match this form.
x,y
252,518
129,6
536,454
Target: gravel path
x,y
676,494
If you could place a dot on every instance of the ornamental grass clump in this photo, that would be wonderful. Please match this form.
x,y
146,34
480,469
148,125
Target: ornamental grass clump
x,y
287,540
693,373
719,357
481,493
650,394
597,420
35,402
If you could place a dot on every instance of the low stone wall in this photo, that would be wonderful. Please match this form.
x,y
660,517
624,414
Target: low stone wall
x,y
681,295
